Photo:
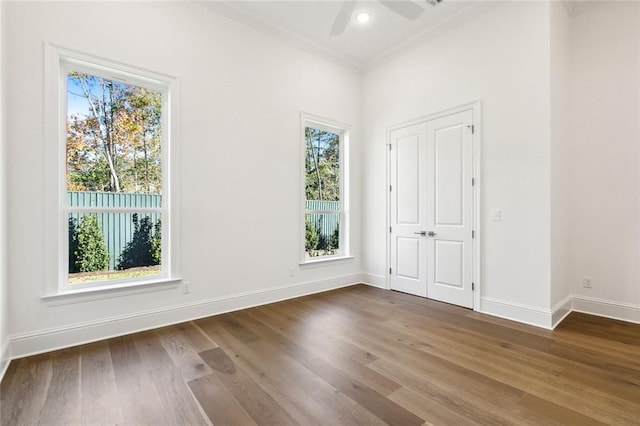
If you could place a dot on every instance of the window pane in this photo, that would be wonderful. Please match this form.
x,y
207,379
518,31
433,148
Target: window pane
x,y
322,165
114,136
113,246
322,234
113,160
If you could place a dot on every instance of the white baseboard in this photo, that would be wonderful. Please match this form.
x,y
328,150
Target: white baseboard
x,y
516,312
47,340
5,358
550,319
606,308
561,310
62,337
373,280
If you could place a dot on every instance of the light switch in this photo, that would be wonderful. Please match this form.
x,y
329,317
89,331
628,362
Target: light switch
x,y
496,215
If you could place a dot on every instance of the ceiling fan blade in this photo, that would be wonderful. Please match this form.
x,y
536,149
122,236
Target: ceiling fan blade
x,y
406,8
343,18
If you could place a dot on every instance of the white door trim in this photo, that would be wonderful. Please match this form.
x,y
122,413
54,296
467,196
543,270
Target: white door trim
x,y
477,201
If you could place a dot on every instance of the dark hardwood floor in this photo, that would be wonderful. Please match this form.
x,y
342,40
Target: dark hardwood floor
x,y
355,356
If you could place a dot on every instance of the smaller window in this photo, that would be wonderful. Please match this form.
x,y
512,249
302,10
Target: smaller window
x,y
325,209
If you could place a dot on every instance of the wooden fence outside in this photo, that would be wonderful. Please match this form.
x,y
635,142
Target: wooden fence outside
x,y
117,228
326,223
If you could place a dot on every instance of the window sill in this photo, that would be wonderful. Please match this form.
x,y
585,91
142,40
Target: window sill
x,y
325,261
107,292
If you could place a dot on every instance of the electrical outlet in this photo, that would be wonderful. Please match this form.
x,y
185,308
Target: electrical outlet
x,y
292,271
186,287
587,281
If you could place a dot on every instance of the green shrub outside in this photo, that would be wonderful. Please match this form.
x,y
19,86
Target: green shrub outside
x,y
315,240
156,244
311,236
144,247
87,246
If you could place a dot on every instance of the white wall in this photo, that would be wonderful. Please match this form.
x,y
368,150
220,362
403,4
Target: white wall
x,y
502,58
559,136
560,43
604,161
241,98
4,284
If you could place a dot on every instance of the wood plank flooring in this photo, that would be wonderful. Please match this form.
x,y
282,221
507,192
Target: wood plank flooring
x,y
354,356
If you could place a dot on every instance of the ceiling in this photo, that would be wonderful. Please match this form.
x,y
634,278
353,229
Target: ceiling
x,y
307,23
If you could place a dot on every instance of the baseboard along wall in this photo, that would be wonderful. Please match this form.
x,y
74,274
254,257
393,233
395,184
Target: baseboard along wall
x,y
5,357
22,345
46,340
544,318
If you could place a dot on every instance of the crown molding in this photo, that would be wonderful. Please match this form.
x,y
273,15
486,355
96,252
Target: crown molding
x,y
227,9
475,7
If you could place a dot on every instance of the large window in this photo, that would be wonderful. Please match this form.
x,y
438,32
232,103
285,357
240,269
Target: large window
x,y
325,217
114,187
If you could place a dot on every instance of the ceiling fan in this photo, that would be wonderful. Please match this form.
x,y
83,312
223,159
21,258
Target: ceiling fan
x,y
405,8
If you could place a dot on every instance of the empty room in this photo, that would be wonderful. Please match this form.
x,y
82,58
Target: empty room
x,y
248,212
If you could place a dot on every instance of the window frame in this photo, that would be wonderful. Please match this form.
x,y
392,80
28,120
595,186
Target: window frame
x,y
58,62
343,131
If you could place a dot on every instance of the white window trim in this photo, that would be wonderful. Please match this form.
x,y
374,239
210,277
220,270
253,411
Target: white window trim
x,y
344,130
57,63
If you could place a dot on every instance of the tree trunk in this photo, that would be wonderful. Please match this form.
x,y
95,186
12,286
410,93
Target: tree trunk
x,y
105,133
314,153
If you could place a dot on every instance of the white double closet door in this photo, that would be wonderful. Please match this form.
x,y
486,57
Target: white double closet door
x,y
431,208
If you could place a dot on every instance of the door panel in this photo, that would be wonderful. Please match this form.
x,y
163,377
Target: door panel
x,y
448,263
408,265
407,179
450,211
408,207
449,176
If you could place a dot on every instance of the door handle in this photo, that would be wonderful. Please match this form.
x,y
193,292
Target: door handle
x,y
432,234
423,233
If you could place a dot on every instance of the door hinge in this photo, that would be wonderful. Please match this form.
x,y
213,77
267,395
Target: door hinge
x,y
473,182
473,286
389,147
390,188
390,229
473,234
389,271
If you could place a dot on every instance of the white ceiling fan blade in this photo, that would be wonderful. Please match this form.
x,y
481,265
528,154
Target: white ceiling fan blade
x,y
405,8
343,18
